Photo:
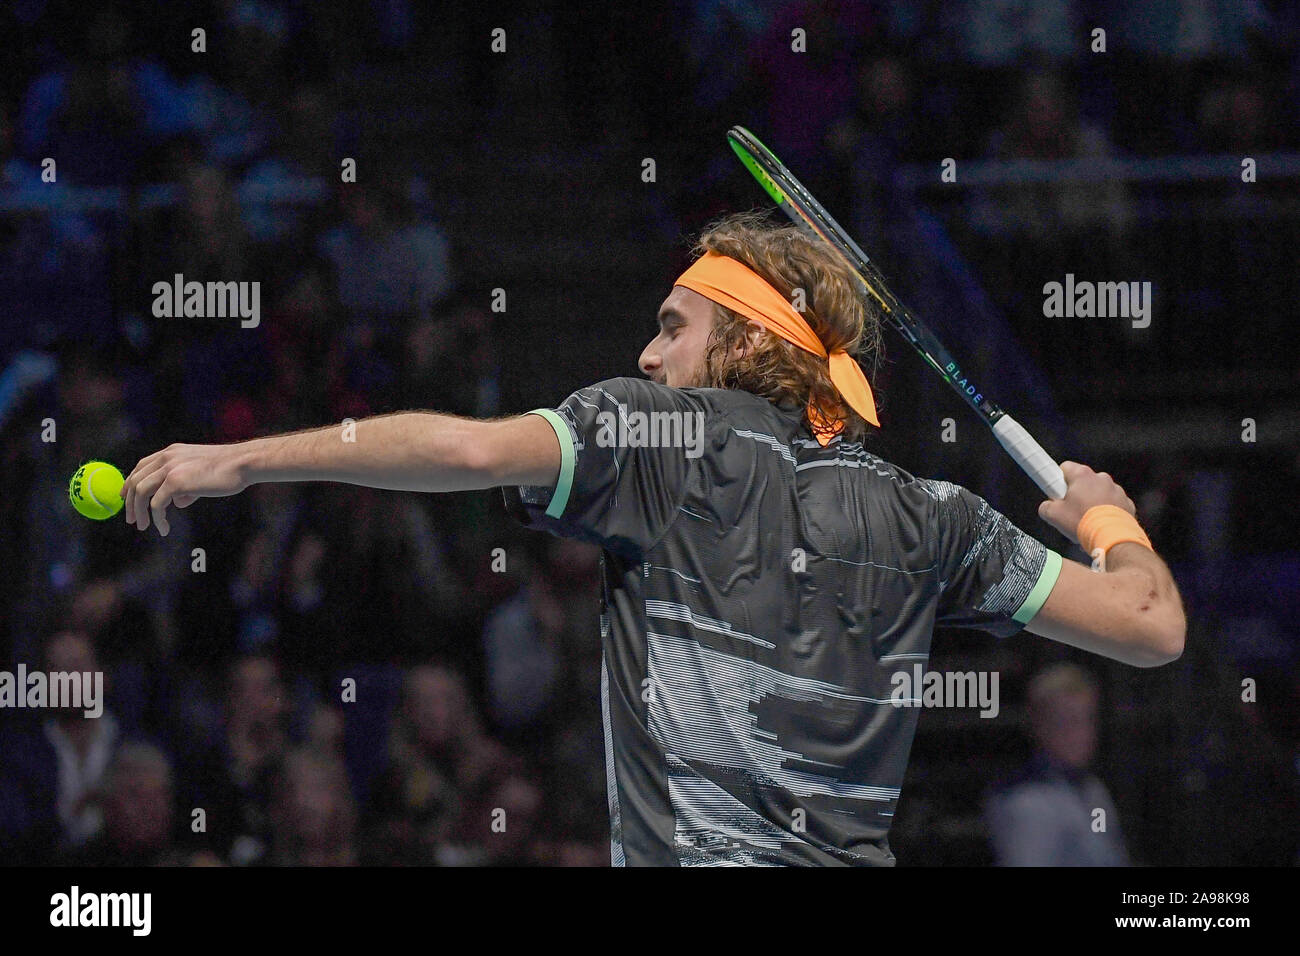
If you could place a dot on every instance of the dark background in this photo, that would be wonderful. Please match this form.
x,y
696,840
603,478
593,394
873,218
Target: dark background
x,y
522,171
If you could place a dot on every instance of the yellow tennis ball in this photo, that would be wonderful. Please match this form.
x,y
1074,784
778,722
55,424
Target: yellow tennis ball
x,y
96,490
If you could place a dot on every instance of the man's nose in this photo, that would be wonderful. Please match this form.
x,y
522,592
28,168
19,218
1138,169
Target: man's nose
x,y
649,361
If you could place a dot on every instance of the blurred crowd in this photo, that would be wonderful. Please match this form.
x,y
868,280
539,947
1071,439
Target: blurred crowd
x,y
322,674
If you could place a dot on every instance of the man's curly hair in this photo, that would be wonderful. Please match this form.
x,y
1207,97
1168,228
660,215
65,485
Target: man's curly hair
x,y
776,369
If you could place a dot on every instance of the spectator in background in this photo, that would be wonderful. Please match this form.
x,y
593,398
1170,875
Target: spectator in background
x,y
538,646
498,823
542,679
305,149
137,802
311,639
1043,122
255,594
439,758
50,777
256,735
874,139
1179,47
101,113
377,585
232,108
54,260
235,606
1236,115
366,375
387,261
1005,33
1048,815
325,731
578,853
452,360
1191,31
203,239
83,746
808,92
718,29
386,574
1053,228
313,816
233,782
303,353
497,565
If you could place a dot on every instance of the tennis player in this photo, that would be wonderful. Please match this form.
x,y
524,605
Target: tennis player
x,y
764,577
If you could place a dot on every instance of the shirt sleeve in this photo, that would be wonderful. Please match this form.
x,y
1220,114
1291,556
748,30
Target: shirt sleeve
x,y
629,450
992,575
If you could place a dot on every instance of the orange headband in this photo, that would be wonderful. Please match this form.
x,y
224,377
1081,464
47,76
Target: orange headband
x,y
733,284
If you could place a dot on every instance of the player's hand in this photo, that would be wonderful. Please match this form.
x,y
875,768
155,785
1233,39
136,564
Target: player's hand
x,y
179,475
1084,488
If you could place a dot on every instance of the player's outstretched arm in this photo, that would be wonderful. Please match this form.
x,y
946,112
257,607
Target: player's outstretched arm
x,y
1131,611
407,451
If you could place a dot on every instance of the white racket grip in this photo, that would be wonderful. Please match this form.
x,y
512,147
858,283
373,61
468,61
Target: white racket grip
x,y
1029,455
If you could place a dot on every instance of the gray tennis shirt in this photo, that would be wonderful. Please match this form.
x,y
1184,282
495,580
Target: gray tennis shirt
x,y
758,594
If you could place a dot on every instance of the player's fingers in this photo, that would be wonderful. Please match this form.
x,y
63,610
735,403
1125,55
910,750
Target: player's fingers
x,y
144,465
144,490
131,486
126,495
184,501
158,506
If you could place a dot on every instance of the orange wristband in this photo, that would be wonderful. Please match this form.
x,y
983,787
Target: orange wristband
x,y
1104,526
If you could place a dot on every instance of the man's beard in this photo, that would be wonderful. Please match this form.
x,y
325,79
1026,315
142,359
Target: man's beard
x,y
698,378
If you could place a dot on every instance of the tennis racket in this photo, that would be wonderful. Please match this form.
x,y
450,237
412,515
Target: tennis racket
x,y
808,214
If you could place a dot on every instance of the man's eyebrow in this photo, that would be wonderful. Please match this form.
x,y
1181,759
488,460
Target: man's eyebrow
x,y
668,313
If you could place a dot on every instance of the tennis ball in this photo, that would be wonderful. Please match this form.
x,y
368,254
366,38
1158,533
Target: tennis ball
x,y
96,490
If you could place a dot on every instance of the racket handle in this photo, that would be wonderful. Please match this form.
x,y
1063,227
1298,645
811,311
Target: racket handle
x,y
1029,455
